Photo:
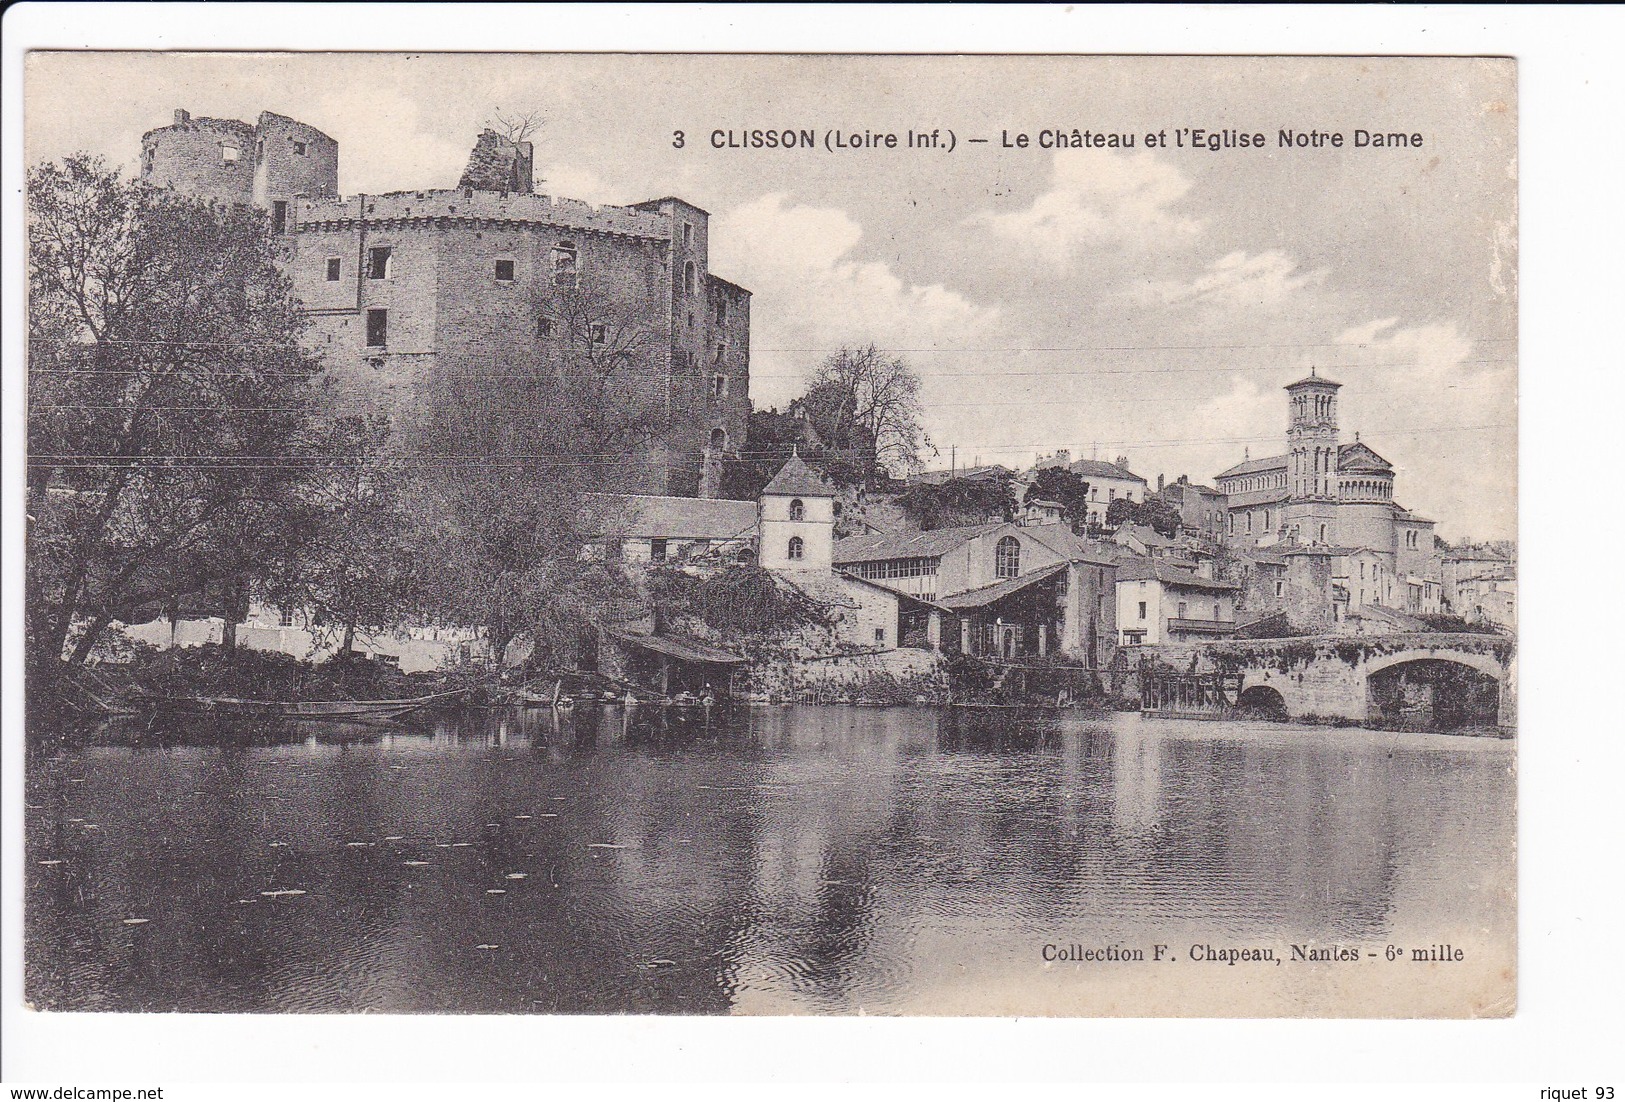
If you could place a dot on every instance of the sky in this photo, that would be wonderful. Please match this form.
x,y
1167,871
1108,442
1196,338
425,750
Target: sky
x,y
1146,301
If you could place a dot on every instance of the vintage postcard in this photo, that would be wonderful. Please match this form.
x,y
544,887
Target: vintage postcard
x,y
771,534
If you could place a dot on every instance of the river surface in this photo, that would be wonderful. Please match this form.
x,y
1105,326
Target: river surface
x,y
781,860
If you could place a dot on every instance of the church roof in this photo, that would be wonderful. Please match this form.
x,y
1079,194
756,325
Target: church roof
x,y
796,479
1312,379
1356,456
1253,466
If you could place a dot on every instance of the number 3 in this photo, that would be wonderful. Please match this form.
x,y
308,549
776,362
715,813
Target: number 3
x,y
677,139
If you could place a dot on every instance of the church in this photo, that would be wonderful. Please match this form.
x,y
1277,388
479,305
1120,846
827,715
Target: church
x,y
1323,492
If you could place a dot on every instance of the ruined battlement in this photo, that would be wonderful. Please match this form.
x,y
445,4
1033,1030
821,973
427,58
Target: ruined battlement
x,y
450,203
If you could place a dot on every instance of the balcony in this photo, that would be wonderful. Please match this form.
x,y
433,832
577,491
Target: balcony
x,y
1180,625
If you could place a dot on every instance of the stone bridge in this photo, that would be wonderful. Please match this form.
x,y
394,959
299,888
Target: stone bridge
x,y
1368,678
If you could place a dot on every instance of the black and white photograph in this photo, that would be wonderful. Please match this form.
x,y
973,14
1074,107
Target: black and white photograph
x,y
771,534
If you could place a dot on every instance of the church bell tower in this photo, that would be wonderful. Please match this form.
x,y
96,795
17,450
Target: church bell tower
x,y
1311,437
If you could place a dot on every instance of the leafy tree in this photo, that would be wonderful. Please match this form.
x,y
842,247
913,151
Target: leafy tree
x,y
1153,512
169,402
772,437
505,462
865,403
1062,486
960,501
358,570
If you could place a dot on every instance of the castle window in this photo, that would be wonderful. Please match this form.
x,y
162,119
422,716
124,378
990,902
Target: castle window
x,y
1007,558
564,264
377,328
796,549
544,327
722,350
378,262
279,216
719,439
504,271
298,149
722,312
798,511
688,278
596,332
688,235
719,386
334,266
1279,586
229,154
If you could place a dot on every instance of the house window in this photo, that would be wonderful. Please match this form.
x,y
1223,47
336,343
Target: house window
x,y
657,550
334,265
377,328
719,386
544,327
1007,558
1111,494
504,271
285,618
1279,586
798,511
688,282
378,262
880,635
564,264
795,549
1181,610
1142,610
279,216
1322,533
1216,613
229,154
596,332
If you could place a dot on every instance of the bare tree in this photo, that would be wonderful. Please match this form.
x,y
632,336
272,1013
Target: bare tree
x,y
866,403
517,126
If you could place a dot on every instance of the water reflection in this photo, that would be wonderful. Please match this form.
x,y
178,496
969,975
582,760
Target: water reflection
x,y
780,860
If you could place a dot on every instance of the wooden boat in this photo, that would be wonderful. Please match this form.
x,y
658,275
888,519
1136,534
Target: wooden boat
x,y
304,709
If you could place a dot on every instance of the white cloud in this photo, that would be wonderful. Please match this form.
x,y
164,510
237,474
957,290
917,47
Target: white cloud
x,y
1239,280
574,182
1099,195
811,296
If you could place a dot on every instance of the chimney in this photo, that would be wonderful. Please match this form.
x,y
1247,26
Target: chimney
x,y
182,116
1159,483
1122,461
1064,454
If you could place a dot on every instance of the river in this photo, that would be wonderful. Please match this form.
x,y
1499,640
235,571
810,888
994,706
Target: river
x,y
781,860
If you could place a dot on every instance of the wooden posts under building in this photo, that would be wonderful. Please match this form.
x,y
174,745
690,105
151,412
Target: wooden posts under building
x,y
1188,695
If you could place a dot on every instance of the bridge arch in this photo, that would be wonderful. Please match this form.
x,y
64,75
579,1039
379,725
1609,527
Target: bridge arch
x,y
1484,663
1435,690
1263,700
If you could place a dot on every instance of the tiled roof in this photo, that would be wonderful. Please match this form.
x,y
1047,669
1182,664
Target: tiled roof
x,y
1068,544
1152,570
1099,468
638,515
987,594
908,545
796,479
939,477
1253,466
1146,535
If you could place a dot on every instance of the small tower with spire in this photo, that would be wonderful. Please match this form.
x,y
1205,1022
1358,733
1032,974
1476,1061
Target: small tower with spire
x,y
795,529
